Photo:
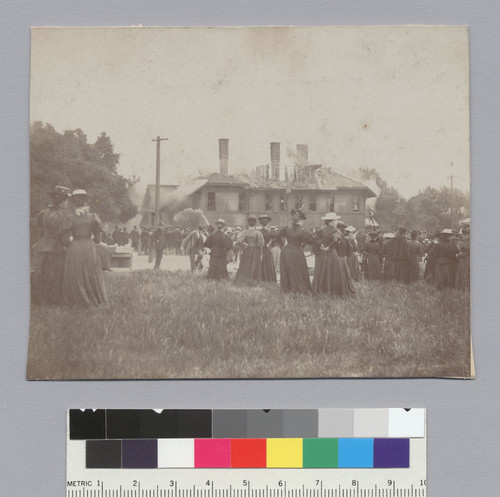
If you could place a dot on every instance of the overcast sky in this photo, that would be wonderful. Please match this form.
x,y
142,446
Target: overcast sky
x,y
391,98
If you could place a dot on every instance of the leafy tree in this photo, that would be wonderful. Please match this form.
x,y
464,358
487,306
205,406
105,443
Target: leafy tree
x,y
190,218
67,159
430,209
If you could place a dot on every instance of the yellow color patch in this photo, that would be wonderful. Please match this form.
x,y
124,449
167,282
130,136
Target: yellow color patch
x,y
284,452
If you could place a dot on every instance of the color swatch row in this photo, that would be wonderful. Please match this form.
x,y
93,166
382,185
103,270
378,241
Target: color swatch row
x,y
249,453
102,424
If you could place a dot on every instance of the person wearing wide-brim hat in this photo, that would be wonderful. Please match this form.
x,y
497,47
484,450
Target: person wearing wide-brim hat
x,y
294,273
330,273
445,253
350,248
345,252
49,251
251,242
372,255
331,216
388,252
268,264
83,283
219,244
400,250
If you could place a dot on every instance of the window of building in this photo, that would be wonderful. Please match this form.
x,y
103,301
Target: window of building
x,y
242,204
283,206
355,203
298,201
331,202
269,201
210,201
312,201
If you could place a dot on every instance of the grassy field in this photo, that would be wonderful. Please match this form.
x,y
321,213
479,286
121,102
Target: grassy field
x,y
175,325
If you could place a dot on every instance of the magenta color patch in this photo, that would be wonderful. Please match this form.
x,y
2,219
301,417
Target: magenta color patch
x,y
212,453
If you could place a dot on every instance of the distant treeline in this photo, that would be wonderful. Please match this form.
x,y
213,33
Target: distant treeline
x,y
430,209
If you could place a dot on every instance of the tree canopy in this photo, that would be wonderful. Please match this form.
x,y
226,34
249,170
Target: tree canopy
x,y
430,209
67,159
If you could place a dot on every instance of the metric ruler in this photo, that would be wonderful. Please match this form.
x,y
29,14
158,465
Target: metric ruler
x,y
146,453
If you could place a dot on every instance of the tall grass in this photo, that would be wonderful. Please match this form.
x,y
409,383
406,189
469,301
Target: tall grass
x,y
177,325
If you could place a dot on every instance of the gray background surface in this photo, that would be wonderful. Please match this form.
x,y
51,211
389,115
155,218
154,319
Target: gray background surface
x,y
463,419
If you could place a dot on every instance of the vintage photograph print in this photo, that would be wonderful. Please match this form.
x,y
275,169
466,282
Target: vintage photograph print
x,y
250,202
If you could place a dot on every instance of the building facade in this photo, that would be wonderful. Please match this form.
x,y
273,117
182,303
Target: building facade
x,y
273,189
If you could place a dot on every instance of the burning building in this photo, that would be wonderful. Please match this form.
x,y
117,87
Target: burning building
x,y
272,189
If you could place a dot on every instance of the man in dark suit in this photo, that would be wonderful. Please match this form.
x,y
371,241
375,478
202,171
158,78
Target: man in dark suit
x,y
158,241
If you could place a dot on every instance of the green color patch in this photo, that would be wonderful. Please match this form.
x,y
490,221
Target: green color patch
x,y
320,453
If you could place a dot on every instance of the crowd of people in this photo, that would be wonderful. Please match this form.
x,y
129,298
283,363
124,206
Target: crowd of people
x,y
342,254
71,253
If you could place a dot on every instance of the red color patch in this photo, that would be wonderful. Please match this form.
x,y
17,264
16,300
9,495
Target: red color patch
x,y
248,453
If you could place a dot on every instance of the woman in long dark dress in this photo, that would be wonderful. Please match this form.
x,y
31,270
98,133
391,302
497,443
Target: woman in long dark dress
x,y
268,268
416,252
430,260
219,244
83,283
373,252
388,251
352,253
49,250
294,274
445,253
252,241
343,251
327,277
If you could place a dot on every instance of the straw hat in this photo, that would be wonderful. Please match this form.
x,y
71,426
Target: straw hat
x,y
330,216
80,192
221,221
447,231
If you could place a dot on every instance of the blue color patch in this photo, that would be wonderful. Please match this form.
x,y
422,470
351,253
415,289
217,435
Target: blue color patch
x,y
355,452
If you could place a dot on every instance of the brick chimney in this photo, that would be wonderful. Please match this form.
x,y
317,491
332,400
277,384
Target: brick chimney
x,y
275,160
223,155
302,155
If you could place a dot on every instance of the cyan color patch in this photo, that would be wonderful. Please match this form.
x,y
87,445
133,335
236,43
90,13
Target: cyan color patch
x,y
355,452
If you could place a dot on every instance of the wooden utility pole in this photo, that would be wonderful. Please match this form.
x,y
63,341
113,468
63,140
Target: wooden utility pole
x,y
157,184
451,178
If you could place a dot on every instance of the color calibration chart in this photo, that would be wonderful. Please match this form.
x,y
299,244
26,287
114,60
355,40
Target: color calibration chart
x,y
246,453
